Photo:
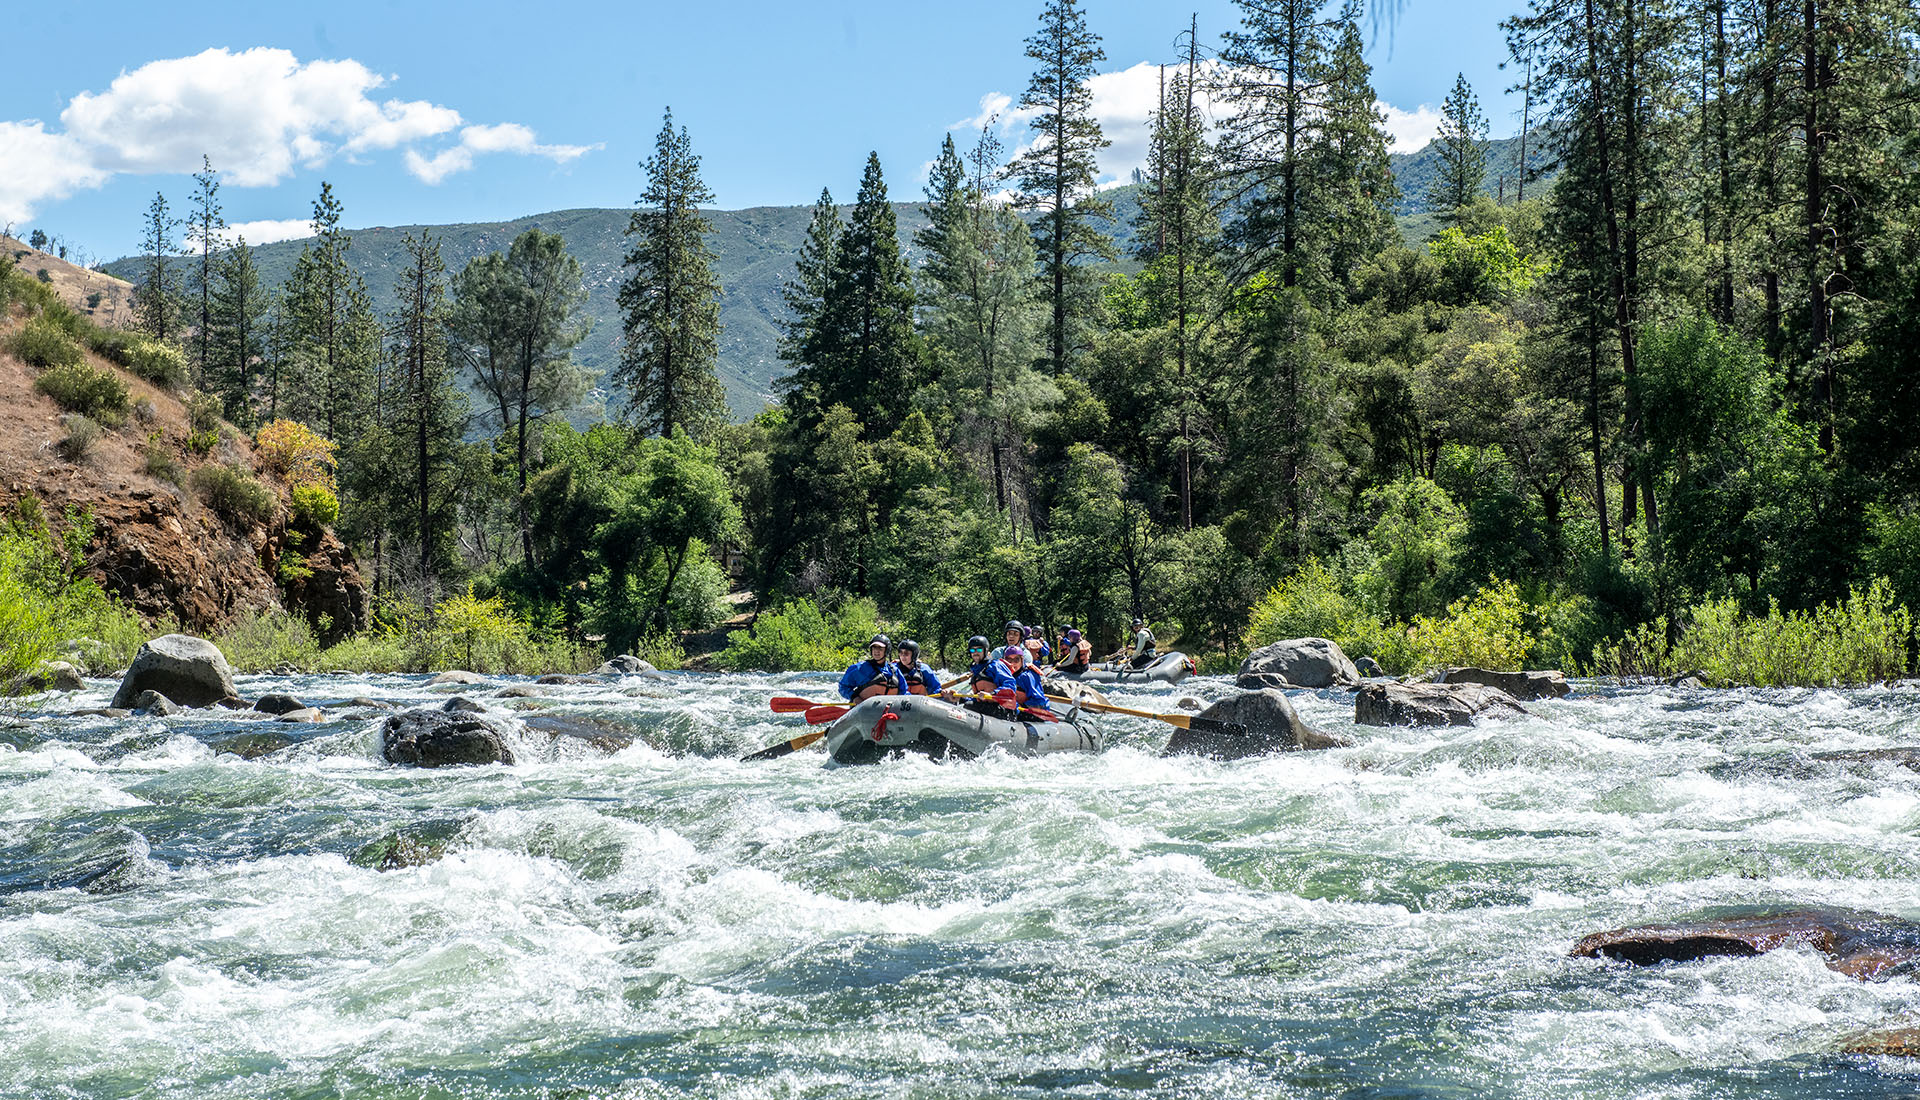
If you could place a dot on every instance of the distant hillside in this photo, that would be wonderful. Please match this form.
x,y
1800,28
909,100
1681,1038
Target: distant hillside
x,y
1416,171
101,297
754,250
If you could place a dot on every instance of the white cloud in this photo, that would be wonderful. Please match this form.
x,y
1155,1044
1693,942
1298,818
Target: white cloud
x,y
271,230
506,137
36,166
1411,130
259,114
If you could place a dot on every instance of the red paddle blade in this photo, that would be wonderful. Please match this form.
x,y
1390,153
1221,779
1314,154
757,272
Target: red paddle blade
x,y
788,704
820,716
1004,697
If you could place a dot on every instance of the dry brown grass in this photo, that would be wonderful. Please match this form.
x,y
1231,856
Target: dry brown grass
x,y
76,285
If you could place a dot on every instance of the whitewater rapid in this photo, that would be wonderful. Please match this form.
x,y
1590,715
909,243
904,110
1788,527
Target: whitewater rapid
x,y
1390,919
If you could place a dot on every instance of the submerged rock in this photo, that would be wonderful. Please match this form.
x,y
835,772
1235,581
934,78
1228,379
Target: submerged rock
x,y
1900,1042
626,665
153,702
278,702
605,735
1859,945
1271,722
519,691
364,703
556,678
250,744
103,712
1523,686
410,845
1300,663
459,733
190,671
1395,704
456,676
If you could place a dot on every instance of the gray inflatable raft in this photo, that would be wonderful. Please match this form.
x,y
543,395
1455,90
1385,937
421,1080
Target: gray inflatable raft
x,y
920,723
1169,668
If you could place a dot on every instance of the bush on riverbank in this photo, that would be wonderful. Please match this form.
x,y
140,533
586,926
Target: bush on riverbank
x,y
47,600
1492,628
799,636
1864,639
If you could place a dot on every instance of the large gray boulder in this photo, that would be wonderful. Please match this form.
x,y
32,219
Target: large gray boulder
x,y
278,702
628,665
1394,704
190,671
1299,663
1521,685
456,733
1272,726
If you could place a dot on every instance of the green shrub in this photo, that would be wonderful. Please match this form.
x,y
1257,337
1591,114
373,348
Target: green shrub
x,y
267,640
161,364
160,461
1864,639
46,598
90,391
314,506
1484,630
1313,603
82,435
799,636
43,344
662,651
234,494
479,635
203,413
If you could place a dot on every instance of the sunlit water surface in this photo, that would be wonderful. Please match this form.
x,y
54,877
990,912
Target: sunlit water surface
x,y
1390,919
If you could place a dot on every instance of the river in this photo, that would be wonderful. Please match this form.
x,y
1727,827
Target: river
x,y
1390,919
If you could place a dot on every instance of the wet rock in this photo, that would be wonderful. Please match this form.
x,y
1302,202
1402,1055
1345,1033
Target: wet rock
x,y
1189,703
1299,663
456,676
46,676
278,703
1908,758
250,744
1693,682
410,846
304,714
606,736
626,665
447,737
152,702
1901,1042
519,691
106,861
561,678
1271,722
364,703
1523,686
103,712
1395,704
190,671
460,704
1369,667
1857,944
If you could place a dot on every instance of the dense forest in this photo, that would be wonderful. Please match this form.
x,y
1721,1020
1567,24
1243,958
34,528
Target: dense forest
x,y
1662,382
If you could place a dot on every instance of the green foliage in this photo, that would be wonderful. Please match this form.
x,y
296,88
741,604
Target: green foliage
x,y
466,631
1486,267
159,363
160,462
234,494
315,506
1484,630
82,434
90,391
261,641
46,598
1314,603
799,636
1414,541
42,343
1863,639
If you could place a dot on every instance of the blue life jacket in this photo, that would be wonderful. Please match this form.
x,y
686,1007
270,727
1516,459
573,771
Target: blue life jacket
x,y
920,674
863,672
1001,675
1028,683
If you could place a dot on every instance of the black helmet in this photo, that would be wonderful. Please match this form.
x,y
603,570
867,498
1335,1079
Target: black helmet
x,y
978,641
880,640
1013,624
1138,623
909,646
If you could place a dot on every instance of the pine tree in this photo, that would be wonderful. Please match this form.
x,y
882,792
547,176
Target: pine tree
x,y
805,291
515,323
333,335
207,225
156,302
431,408
671,299
236,332
1355,191
1056,175
862,347
1462,145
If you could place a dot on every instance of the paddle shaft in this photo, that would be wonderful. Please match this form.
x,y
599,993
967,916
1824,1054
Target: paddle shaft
x,y
1184,721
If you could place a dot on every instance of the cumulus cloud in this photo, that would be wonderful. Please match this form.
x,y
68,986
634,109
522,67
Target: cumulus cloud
x,y
260,114
36,166
1124,102
270,230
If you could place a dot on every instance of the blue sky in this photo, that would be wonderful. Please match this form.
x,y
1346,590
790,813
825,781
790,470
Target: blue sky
x,y
432,113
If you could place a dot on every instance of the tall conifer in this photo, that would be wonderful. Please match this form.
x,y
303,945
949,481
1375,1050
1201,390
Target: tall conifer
x,y
1462,144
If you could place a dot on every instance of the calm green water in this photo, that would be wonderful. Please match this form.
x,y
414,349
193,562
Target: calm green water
x,y
1386,920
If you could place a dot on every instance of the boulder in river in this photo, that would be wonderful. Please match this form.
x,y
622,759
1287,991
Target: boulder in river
x,y
1523,686
519,691
1899,1042
190,671
1395,704
249,744
1298,663
451,735
628,665
456,676
304,714
601,734
153,702
1272,726
561,678
47,676
278,702
1859,945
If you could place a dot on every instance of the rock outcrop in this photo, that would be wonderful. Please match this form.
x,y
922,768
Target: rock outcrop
x,y
1298,663
1394,704
457,733
1524,686
1271,722
1859,945
190,671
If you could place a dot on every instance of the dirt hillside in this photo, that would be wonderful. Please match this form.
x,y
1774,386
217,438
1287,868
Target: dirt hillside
x,y
100,297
